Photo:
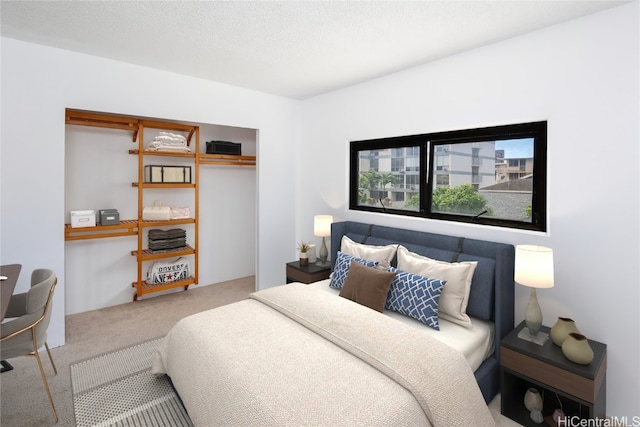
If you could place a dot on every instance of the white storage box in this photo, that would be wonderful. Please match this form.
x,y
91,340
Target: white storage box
x,y
86,218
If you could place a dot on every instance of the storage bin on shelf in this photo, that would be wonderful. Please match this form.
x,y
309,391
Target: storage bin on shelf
x,y
83,218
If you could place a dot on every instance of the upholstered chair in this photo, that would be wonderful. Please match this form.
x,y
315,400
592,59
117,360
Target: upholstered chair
x,y
29,315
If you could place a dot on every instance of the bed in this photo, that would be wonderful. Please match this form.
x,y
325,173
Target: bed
x,y
329,354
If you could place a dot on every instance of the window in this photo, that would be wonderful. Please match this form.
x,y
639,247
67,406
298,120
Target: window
x,y
492,176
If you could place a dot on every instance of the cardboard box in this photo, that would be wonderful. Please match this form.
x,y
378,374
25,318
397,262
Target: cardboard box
x,y
83,218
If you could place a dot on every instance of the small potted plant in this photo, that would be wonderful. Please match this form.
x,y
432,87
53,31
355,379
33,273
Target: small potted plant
x,y
303,247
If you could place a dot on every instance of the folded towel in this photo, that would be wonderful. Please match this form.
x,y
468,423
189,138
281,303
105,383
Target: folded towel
x,y
168,141
168,136
161,147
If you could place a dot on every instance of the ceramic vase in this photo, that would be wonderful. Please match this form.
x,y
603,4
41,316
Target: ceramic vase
x,y
304,259
563,327
533,403
576,348
532,399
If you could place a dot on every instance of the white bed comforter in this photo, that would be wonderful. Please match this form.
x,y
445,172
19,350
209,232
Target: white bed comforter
x,y
295,355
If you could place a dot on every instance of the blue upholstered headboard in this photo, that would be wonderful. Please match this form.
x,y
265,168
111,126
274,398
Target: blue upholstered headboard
x,y
492,287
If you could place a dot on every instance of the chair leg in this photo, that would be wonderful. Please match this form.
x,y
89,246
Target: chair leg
x,y
55,371
46,384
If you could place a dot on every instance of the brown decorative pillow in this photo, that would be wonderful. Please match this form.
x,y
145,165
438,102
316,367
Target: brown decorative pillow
x,y
367,286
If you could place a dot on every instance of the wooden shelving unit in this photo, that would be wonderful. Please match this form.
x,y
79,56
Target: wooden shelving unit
x,y
226,159
148,255
136,227
142,254
157,185
110,121
127,227
146,288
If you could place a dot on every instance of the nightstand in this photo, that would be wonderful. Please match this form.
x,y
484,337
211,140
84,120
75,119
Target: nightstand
x,y
307,273
580,388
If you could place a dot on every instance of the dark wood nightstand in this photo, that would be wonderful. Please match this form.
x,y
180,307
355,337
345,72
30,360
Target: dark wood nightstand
x,y
580,388
308,273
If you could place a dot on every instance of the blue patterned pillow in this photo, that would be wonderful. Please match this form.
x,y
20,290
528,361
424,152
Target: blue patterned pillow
x,y
341,268
415,296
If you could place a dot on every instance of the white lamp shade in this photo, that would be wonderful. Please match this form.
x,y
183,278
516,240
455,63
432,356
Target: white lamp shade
x,y
322,225
534,266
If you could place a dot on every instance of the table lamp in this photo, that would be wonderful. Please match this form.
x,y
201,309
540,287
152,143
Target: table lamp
x,y
322,228
533,268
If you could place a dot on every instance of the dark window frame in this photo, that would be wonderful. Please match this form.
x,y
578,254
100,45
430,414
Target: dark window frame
x,y
428,144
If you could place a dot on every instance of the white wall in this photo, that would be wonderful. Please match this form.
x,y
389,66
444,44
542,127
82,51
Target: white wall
x,y
39,82
582,77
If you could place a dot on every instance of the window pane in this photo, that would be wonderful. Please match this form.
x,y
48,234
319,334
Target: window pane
x,y
484,176
493,176
389,178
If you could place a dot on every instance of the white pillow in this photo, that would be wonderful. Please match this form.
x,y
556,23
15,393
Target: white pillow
x,y
382,254
455,294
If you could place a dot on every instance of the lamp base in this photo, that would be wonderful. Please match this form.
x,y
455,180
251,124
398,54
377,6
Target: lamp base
x,y
323,255
539,339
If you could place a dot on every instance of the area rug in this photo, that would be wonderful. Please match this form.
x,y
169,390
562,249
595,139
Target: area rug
x,y
118,389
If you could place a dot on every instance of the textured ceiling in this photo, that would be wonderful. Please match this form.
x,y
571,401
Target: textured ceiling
x,y
295,49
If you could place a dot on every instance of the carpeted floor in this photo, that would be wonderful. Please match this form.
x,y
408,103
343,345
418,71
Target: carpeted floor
x,y
23,400
117,389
